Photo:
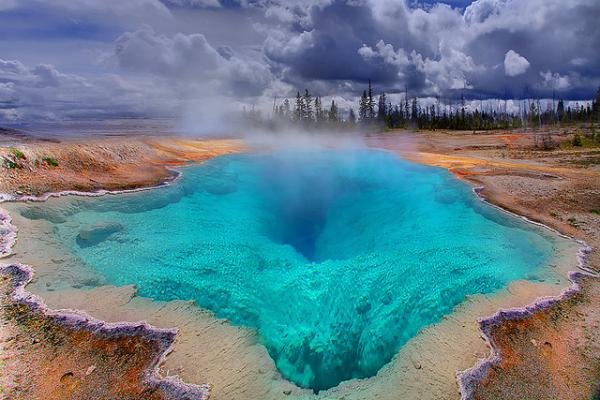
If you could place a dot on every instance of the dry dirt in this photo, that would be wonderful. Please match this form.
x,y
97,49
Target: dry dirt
x,y
110,163
45,359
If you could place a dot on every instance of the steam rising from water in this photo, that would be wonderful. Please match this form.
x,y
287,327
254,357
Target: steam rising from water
x,y
217,116
211,117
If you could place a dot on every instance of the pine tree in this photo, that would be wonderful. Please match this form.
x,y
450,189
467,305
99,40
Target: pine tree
x,y
462,122
533,113
596,106
560,110
414,110
319,113
405,113
371,103
351,117
299,109
308,110
333,112
363,107
381,107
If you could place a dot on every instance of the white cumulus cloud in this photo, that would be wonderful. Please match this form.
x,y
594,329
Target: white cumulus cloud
x,y
515,64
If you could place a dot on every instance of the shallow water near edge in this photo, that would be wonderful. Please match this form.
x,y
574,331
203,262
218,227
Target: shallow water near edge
x,y
337,258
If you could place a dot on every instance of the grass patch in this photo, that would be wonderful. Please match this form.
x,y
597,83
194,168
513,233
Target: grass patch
x,y
580,142
9,164
595,211
51,161
18,154
11,161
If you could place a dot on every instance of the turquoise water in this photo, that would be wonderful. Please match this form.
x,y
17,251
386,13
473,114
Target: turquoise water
x,y
337,258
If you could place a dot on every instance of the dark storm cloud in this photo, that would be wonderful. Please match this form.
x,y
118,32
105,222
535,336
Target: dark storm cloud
x,y
559,39
386,42
328,51
440,49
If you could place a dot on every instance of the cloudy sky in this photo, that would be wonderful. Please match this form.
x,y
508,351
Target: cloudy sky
x,y
110,58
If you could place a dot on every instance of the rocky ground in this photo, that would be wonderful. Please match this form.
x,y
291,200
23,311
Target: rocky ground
x,y
32,166
43,357
551,355
554,354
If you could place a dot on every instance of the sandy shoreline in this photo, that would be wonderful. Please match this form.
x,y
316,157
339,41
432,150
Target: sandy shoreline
x,y
414,370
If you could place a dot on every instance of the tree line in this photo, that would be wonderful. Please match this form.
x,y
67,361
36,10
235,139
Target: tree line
x,y
308,111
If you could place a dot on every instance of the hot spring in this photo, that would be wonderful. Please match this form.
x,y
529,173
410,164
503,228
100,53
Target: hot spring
x,y
335,257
